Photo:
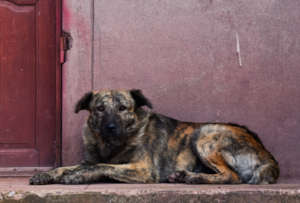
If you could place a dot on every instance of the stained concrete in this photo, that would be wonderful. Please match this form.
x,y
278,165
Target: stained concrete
x,y
18,190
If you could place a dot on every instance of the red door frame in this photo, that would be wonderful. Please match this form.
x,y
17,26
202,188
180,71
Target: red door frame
x,y
58,149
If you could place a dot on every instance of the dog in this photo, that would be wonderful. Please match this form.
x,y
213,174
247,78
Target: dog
x,y
126,142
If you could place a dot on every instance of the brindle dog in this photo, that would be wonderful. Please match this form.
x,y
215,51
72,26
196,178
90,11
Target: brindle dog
x,y
125,142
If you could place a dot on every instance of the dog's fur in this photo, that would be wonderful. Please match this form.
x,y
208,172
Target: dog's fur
x,y
126,143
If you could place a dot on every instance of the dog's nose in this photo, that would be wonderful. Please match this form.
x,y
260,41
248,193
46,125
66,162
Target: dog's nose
x,y
111,126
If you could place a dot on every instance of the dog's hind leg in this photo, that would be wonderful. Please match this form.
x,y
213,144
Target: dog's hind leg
x,y
233,154
223,174
206,146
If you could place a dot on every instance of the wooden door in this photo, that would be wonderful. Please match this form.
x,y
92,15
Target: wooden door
x,y
29,82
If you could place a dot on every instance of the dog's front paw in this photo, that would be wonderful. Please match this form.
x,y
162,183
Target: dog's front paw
x,y
41,179
177,177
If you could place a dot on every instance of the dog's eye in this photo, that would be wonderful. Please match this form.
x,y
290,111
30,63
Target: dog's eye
x,y
100,108
122,108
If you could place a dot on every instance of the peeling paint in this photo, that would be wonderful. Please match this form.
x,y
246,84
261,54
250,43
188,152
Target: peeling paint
x,y
238,49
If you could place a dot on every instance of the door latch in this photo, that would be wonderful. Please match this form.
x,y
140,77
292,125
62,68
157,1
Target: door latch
x,y
65,45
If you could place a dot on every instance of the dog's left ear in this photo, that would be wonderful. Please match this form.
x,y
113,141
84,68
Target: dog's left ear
x,y
140,99
84,102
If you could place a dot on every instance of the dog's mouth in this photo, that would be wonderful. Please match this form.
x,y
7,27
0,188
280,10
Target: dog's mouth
x,y
111,134
111,138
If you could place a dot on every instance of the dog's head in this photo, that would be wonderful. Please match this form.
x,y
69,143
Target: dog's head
x,y
113,113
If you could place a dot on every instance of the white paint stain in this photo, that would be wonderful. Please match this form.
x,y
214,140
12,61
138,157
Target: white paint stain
x,y
238,49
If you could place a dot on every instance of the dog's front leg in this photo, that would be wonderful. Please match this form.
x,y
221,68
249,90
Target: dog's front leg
x,y
53,176
131,173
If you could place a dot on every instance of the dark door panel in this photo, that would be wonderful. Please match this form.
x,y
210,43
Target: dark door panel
x,y
28,64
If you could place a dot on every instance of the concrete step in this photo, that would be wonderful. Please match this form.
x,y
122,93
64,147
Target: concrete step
x,y
18,190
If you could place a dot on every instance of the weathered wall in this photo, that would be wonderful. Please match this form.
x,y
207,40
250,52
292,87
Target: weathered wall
x,y
76,74
183,55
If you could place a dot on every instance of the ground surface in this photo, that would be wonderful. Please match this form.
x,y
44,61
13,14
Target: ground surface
x,y
18,190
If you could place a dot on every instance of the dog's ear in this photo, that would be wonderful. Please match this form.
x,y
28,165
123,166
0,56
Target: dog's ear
x,y
140,99
84,102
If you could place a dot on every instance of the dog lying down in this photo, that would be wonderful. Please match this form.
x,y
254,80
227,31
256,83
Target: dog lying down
x,y
127,143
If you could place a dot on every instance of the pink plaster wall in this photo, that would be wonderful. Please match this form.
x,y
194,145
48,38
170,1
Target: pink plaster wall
x,y
76,74
183,55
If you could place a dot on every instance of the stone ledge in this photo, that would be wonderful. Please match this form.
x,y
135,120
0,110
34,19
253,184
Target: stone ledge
x,y
18,190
